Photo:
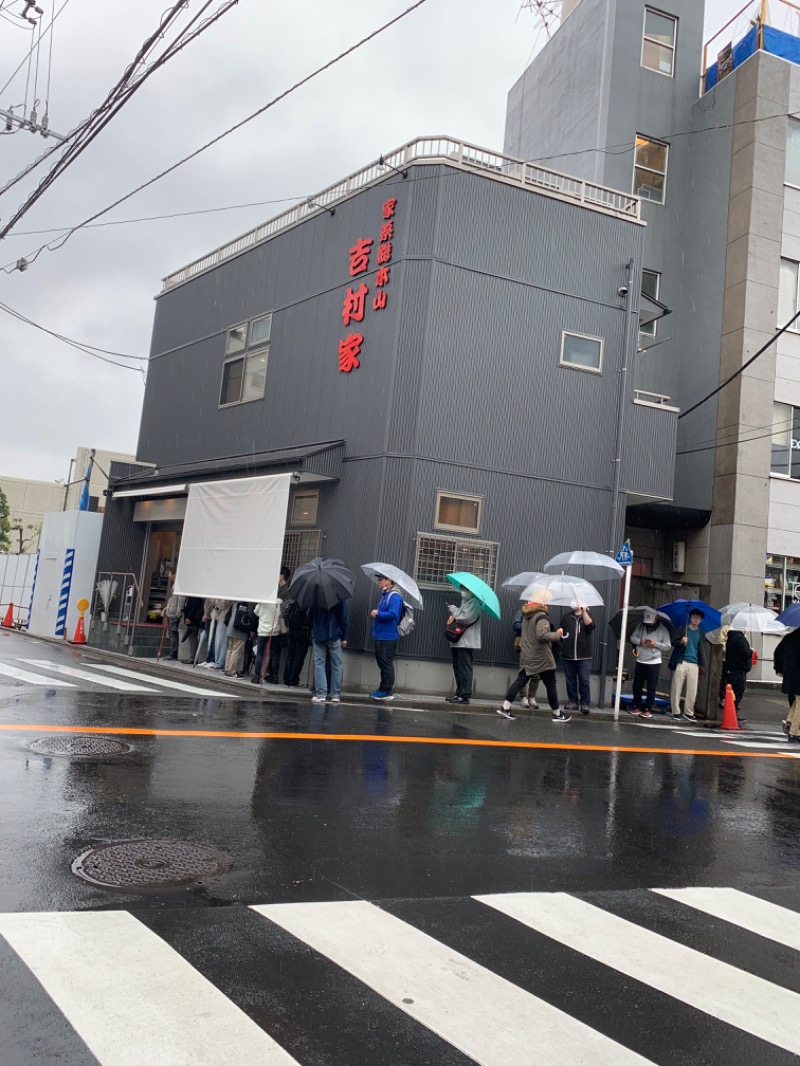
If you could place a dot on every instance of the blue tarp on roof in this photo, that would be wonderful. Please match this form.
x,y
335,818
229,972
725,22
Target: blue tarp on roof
x,y
742,50
779,43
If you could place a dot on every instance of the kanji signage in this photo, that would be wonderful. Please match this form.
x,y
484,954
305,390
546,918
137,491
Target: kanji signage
x,y
355,302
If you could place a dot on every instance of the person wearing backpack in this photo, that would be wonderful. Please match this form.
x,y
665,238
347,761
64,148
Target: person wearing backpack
x,y
241,627
385,619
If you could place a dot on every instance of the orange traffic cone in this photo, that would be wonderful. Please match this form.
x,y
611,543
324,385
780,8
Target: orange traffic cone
x,y
729,719
80,632
8,621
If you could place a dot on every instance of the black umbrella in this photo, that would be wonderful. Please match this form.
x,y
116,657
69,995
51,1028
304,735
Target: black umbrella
x,y
321,583
635,618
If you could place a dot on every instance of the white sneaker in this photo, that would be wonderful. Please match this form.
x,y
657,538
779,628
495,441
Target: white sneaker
x,y
318,699
533,705
506,714
525,701
334,699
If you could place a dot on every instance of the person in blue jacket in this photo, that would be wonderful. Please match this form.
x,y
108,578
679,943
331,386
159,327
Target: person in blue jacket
x,y
385,618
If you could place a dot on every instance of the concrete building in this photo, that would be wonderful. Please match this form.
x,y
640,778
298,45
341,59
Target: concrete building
x,y
29,500
620,95
426,349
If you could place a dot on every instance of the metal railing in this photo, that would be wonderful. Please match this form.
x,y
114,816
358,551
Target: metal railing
x,y
441,149
652,399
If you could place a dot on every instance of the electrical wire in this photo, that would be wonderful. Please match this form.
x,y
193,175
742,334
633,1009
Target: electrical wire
x,y
47,30
54,245
87,349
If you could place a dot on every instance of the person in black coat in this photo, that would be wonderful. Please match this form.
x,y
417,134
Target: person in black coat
x,y
787,666
738,660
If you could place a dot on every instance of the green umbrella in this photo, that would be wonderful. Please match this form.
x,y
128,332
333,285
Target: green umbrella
x,y
479,589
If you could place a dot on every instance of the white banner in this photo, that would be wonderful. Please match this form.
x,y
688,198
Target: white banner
x,y
232,539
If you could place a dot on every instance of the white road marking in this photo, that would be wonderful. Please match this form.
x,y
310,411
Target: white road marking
x,y
32,679
84,675
739,908
486,1017
131,997
161,681
766,1010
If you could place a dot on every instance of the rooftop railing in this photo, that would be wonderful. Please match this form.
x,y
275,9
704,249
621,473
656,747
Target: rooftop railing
x,y
447,150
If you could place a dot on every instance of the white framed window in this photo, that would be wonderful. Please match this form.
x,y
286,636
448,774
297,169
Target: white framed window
x,y
658,42
651,286
437,556
458,512
792,172
650,169
301,546
244,378
788,301
303,508
581,352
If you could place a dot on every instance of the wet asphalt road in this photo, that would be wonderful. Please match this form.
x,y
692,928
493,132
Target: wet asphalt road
x,y
416,813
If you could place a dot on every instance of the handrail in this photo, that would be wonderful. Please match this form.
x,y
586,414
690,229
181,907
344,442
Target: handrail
x,y
654,399
441,149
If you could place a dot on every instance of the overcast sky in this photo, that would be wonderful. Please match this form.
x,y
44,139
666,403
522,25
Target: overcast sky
x,y
446,68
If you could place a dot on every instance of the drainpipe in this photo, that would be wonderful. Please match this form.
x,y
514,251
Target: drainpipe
x,y
627,291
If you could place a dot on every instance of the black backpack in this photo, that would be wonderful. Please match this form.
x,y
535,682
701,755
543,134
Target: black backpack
x,y
244,620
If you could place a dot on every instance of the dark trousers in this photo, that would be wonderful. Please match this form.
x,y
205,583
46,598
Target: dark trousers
x,y
645,674
737,679
551,688
296,650
520,682
275,649
577,673
385,651
261,647
462,669
174,637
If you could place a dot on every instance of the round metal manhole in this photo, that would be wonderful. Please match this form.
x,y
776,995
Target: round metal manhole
x,y
79,747
142,864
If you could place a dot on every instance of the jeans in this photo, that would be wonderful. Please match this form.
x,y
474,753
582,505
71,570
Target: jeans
x,y
220,645
645,674
462,669
577,673
261,647
296,648
323,650
212,629
385,651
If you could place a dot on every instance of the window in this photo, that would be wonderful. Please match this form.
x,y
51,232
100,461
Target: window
x,y
785,458
457,512
792,175
578,350
651,285
781,582
303,509
437,556
658,43
650,170
244,377
301,547
788,304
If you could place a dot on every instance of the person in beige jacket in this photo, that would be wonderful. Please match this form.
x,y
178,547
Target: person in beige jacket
x,y
536,657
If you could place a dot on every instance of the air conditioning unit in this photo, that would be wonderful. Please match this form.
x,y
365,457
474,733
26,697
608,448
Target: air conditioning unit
x,y
679,556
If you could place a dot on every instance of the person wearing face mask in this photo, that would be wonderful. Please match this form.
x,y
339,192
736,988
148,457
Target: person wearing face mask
x,y
469,613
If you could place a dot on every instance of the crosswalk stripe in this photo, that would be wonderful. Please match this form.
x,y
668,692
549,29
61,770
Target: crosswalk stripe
x,y
162,682
84,675
32,679
483,1015
766,1010
131,997
739,908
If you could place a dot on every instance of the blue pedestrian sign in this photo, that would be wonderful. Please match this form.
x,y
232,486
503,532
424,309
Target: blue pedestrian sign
x,y
625,556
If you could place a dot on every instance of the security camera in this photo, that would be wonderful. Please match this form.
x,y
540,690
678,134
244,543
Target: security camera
x,y
622,290
295,479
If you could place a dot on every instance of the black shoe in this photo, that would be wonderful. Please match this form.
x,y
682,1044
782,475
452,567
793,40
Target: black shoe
x,y
584,709
785,727
255,680
270,680
459,699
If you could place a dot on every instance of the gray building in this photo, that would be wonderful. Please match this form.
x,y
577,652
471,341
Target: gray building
x,y
437,352
618,95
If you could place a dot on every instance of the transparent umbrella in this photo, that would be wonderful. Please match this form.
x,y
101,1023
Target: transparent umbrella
x,y
748,618
562,589
400,578
592,566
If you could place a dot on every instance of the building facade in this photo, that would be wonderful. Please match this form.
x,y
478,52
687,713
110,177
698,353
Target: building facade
x,y
438,352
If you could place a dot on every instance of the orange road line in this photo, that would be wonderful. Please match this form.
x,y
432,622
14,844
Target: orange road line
x,y
358,737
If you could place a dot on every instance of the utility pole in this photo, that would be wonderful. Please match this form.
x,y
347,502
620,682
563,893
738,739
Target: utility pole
x,y
31,124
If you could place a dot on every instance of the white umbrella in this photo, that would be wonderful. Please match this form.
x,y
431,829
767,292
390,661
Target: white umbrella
x,y
398,577
521,581
562,589
589,565
748,618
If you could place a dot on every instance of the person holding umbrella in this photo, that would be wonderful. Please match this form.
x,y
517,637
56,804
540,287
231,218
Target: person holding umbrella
x,y
650,640
536,657
469,615
385,619
321,587
690,655
576,655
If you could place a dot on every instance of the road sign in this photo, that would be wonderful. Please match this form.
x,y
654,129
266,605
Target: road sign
x,y
625,556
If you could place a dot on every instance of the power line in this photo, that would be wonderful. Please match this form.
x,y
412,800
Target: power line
x,y
49,29
54,245
87,349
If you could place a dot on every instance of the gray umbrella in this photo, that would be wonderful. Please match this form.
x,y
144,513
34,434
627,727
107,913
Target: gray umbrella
x,y
321,583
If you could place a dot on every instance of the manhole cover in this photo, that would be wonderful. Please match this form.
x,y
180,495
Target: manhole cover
x,y
149,864
79,747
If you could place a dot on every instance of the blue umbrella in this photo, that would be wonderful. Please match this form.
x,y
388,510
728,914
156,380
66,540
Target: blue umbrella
x,y
791,616
679,610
